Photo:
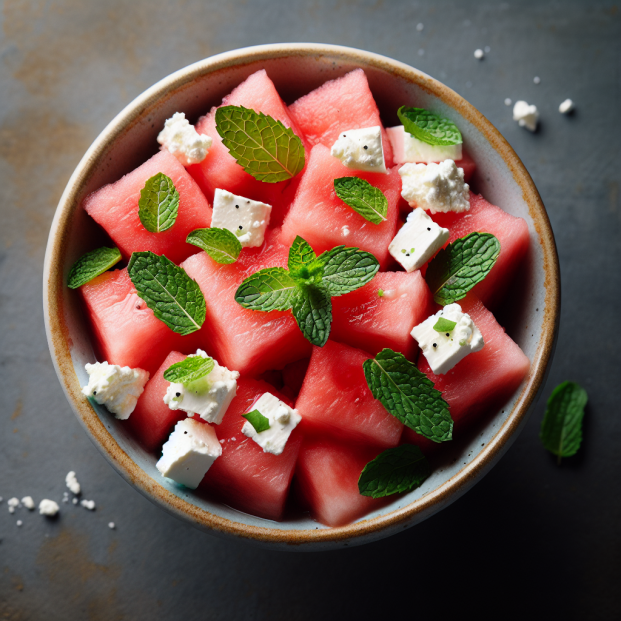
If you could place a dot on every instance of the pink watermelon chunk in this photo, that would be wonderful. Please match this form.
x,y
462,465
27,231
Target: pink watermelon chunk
x,y
115,207
152,420
293,377
327,475
512,233
126,331
364,319
484,379
244,476
336,106
325,221
247,341
335,399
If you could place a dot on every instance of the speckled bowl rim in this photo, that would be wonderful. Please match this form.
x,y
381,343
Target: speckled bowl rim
x,y
358,532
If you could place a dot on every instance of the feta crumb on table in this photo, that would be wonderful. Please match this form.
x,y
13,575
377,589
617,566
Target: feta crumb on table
x,y
111,525
183,141
479,54
88,504
408,148
48,508
361,149
566,106
526,115
28,502
72,482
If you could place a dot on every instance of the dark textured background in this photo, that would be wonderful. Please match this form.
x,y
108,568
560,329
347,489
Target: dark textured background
x,y
531,540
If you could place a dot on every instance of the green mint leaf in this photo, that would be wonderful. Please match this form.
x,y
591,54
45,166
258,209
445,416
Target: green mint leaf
x,y
189,370
396,470
262,146
429,127
347,269
408,395
266,290
168,291
159,203
444,325
364,198
561,429
312,310
460,266
257,420
304,266
220,244
91,265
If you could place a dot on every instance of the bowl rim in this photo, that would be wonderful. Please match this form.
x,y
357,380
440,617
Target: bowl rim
x,y
368,529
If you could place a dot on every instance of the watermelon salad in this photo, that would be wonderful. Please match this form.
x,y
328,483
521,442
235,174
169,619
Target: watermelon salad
x,y
297,303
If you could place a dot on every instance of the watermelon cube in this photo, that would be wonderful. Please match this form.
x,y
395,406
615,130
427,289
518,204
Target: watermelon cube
x,y
115,207
366,320
335,399
244,476
293,377
325,221
244,340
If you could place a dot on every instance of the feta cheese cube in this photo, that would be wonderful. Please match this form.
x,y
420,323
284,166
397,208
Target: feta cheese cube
x,y
526,116
209,397
417,240
443,350
435,187
245,218
361,149
407,148
189,452
115,387
283,420
183,141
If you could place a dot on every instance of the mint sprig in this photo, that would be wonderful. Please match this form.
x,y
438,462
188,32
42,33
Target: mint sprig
x,y
460,266
394,471
159,203
561,428
367,200
257,420
429,127
220,244
189,370
91,265
262,146
408,395
444,325
168,291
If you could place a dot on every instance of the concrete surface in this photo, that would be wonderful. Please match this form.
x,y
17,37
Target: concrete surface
x,y
532,540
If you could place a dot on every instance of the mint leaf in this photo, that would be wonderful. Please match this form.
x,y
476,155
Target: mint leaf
x,y
460,266
561,428
408,395
189,370
168,291
312,310
444,325
364,198
429,127
266,290
347,269
159,203
300,255
220,244
257,420
91,265
396,470
262,146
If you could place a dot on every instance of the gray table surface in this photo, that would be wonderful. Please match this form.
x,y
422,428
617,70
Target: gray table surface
x,y
531,540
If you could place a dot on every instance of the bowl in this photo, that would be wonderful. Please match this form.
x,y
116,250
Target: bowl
x,y
296,69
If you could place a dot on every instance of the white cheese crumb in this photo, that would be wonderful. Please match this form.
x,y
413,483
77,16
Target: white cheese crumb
x,y
75,501
345,231
566,107
72,482
361,149
479,54
407,148
12,504
183,141
88,504
111,525
526,115
508,101
389,294
420,27
19,522
537,80
435,187
28,502
48,507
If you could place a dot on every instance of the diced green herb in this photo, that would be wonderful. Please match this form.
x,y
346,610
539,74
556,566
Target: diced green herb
x,y
257,420
444,325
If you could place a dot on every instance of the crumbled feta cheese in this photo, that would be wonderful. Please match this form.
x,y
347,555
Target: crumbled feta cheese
x,y
443,350
407,148
417,240
245,218
75,501
72,482
189,452
283,420
508,101
435,187
345,231
183,141
537,80
209,397
88,504
526,116
361,149
28,502
111,525
479,54
48,507
19,522
118,388
566,107
12,504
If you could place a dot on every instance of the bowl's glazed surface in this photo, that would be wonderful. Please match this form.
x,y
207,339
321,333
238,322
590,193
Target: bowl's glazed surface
x,y
297,69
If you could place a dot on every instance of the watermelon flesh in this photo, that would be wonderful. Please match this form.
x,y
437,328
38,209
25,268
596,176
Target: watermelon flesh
x,y
244,476
365,320
115,208
335,399
325,221
293,377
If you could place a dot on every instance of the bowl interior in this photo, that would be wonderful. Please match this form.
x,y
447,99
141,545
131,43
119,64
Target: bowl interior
x,y
131,138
